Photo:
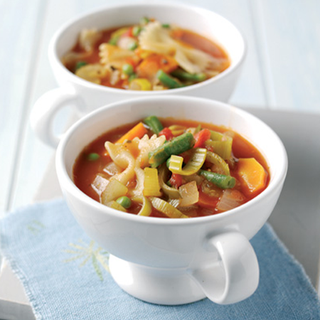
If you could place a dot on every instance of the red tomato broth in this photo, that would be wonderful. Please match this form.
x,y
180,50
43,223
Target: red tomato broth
x,y
84,171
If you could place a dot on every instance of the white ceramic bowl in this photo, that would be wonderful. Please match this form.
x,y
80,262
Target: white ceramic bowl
x,y
175,261
85,96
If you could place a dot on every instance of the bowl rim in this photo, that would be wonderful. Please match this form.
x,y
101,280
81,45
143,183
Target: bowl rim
x,y
66,182
56,62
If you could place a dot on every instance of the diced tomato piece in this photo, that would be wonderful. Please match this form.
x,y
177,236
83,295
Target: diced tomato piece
x,y
207,201
176,180
128,33
167,133
201,137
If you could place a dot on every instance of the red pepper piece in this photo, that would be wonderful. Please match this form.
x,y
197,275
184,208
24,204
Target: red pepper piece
x,y
201,137
167,133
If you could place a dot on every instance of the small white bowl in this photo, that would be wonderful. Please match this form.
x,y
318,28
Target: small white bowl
x,y
85,96
176,261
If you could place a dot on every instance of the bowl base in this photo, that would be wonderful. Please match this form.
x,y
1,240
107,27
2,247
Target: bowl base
x,y
155,285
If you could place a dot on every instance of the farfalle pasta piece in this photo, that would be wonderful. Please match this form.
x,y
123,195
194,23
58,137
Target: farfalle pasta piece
x,y
122,158
114,56
88,38
157,39
138,190
193,60
146,145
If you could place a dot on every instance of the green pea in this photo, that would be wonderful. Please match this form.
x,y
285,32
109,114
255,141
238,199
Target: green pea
x,y
124,201
127,69
80,64
93,156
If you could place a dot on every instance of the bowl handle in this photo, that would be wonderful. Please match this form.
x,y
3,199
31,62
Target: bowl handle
x,y
236,276
45,111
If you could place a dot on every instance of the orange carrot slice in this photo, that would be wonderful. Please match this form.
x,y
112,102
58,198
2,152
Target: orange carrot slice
x,y
137,131
150,66
252,175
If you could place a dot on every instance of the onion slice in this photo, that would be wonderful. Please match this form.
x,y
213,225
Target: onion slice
x,y
189,194
230,199
166,208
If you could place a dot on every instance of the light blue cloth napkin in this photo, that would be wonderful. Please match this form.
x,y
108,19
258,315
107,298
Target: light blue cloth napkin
x,y
65,275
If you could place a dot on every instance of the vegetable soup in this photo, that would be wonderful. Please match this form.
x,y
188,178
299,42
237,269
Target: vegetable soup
x,y
171,168
146,56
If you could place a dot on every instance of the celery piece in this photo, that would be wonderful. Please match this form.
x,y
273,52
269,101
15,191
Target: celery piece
x,y
220,180
177,130
222,148
166,208
219,162
153,123
151,183
115,205
194,164
146,208
216,136
176,146
173,193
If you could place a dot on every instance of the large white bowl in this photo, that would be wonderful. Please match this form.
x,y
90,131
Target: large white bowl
x,y
86,96
174,261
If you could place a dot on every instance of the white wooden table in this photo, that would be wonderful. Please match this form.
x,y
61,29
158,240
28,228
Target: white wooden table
x,y
280,83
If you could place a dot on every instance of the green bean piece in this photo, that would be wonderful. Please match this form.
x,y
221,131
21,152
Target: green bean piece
x,y
166,25
93,156
127,69
80,64
220,180
154,124
136,30
124,201
168,81
183,75
175,146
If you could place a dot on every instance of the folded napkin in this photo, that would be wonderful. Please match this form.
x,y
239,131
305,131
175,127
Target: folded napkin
x,y
65,275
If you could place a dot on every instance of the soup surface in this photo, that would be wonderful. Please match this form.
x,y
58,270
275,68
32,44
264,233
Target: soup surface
x,y
171,168
145,56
